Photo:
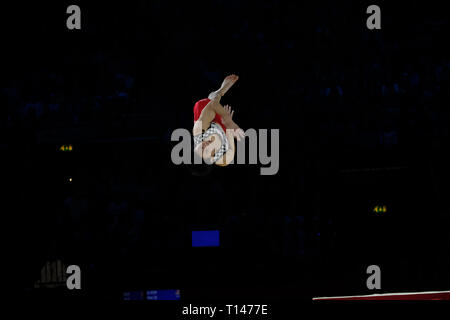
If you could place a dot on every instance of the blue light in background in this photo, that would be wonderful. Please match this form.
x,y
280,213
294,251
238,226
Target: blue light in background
x,y
133,295
205,238
163,295
173,294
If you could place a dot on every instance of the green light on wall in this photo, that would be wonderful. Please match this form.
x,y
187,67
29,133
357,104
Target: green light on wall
x,y
380,209
66,148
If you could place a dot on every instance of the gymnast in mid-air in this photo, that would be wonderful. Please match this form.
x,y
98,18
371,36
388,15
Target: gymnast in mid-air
x,y
214,129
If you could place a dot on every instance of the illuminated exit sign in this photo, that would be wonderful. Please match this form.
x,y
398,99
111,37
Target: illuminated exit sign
x,y
66,148
379,209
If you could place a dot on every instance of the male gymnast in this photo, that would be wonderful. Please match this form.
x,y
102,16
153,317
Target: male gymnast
x,y
214,129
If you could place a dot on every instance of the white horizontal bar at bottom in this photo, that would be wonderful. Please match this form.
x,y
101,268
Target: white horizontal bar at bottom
x,y
380,295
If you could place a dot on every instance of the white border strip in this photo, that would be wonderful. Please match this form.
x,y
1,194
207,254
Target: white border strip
x,y
381,295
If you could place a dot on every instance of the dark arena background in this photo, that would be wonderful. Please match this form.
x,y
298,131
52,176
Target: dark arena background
x,y
86,120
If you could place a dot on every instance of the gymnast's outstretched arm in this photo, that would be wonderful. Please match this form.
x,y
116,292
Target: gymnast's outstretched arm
x,y
230,133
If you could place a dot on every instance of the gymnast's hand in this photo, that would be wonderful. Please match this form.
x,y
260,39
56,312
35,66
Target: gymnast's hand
x,y
230,124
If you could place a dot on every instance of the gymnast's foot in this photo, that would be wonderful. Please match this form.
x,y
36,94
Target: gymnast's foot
x,y
226,85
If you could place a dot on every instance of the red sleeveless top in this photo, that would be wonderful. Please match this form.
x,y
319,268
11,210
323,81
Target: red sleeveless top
x,y
200,105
